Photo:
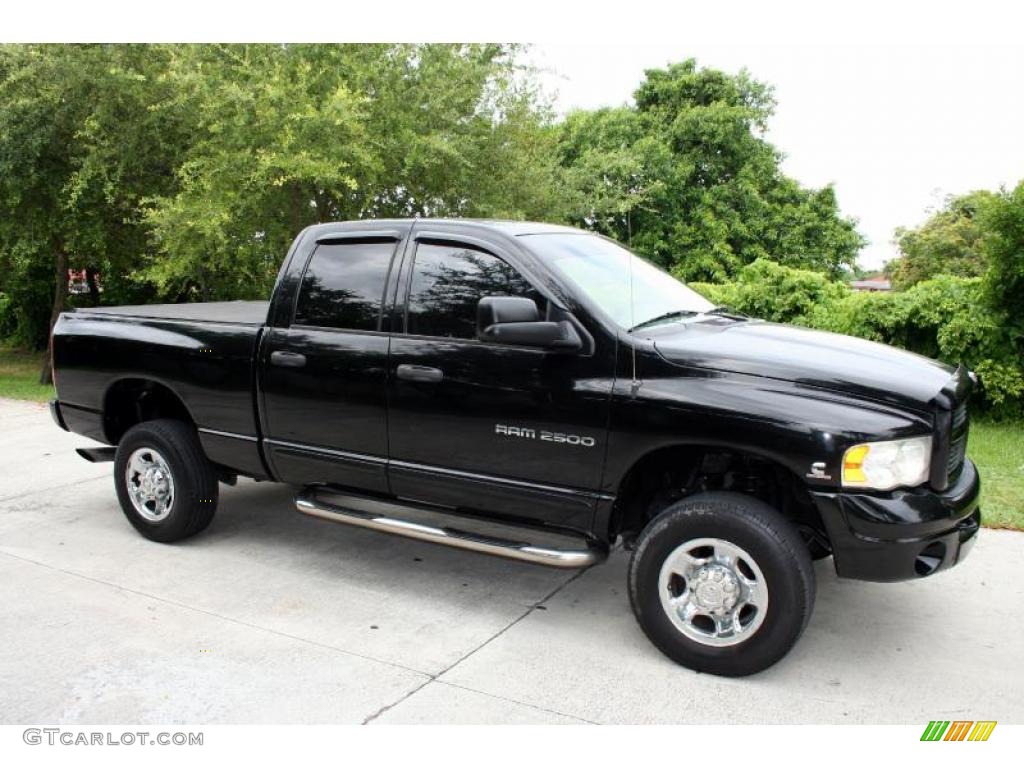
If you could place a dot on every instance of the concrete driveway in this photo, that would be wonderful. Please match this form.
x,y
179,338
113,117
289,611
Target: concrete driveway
x,y
270,616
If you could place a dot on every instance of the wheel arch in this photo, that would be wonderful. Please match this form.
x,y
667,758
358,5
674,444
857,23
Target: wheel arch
x,y
676,470
133,400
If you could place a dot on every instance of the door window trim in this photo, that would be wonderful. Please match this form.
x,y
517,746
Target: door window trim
x,y
450,241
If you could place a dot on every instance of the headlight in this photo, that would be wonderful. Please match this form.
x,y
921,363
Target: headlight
x,y
887,465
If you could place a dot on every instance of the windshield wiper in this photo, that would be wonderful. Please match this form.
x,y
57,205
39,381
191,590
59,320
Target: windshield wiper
x,y
720,311
665,316
725,312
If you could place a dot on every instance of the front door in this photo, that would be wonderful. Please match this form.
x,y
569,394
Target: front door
x,y
323,377
501,430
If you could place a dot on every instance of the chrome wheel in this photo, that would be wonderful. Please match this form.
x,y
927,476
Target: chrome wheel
x,y
150,484
713,592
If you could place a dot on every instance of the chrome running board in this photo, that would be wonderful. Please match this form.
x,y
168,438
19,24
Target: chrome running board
x,y
381,515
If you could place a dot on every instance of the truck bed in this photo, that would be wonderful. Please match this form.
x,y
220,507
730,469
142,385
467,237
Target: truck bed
x,y
202,354
235,312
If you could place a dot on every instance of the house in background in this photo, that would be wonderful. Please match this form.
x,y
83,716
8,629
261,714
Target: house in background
x,y
871,284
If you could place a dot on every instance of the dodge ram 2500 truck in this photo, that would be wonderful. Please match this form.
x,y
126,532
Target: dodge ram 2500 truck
x,y
541,393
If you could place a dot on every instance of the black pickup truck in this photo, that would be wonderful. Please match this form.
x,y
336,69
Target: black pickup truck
x,y
541,393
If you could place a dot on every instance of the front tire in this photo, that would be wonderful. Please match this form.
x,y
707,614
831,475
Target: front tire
x,y
722,583
165,484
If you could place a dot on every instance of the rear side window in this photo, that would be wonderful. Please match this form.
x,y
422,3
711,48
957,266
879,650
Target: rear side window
x,y
449,280
343,286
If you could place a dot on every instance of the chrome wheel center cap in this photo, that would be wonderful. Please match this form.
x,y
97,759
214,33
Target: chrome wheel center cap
x,y
154,482
716,588
150,484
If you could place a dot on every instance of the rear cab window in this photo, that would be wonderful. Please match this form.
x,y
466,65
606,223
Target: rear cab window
x,y
343,286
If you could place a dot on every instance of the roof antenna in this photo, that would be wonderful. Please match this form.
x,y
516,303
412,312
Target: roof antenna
x,y
634,386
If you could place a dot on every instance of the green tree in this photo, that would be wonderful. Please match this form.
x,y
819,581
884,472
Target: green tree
x,y
949,242
688,179
611,170
288,136
181,172
82,138
1003,221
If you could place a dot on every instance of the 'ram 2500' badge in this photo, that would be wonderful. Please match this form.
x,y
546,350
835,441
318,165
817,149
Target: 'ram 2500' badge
x,y
545,435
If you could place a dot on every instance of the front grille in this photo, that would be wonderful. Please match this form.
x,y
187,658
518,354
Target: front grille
x,y
958,429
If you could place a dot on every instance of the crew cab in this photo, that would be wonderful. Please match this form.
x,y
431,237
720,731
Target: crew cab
x,y
541,393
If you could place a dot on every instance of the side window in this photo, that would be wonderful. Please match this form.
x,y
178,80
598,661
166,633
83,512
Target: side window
x,y
344,285
449,280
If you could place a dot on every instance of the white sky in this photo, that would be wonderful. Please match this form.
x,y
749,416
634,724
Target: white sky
x,y
894,126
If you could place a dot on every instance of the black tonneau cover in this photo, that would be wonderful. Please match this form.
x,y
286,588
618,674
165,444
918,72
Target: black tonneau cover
x,y
237,312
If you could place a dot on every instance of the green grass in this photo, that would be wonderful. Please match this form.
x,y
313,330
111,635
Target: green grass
x,y
19,375
998,450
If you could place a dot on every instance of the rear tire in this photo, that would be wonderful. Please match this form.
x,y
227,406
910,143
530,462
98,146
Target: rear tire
x,y
166,486
722,583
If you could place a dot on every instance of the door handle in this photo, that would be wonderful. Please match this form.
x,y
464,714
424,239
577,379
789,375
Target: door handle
x,y
287,359
421,373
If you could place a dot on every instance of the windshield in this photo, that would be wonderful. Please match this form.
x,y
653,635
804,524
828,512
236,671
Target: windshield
x,y
600,269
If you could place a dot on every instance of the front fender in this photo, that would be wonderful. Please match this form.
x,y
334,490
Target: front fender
x,y
802,428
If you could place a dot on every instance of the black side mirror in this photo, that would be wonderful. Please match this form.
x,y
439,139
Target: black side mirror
x,y
515,320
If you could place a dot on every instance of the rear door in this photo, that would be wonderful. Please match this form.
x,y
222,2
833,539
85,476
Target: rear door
x,y
494,429
323,375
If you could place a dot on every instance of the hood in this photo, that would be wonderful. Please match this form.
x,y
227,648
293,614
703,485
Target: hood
x,y
813,358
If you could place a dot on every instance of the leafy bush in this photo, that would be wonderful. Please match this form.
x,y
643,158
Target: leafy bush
x,y
771,291
1004,250
945,318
